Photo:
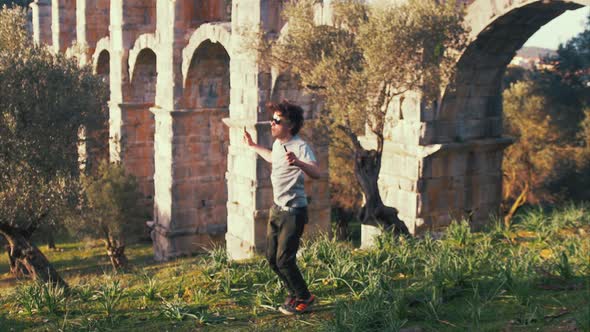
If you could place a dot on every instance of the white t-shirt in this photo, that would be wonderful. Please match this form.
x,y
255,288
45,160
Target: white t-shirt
x,y
287,181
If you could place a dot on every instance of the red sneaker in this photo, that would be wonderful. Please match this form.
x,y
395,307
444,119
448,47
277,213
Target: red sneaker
x,y
298,307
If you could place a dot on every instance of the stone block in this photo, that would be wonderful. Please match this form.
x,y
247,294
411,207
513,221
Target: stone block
x,y
239,249
368,234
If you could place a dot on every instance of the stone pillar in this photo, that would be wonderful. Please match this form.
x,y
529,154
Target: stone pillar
x,y
248,175
81,30
63,24
436,170
42,22
118,76
167,91
163,140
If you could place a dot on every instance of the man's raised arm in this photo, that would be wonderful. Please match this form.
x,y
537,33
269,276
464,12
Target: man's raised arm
x,y
262,151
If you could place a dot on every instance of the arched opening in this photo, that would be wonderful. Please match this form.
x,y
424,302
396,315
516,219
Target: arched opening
x,y
470,118
139,124
103,67
207,82
202,140
143,81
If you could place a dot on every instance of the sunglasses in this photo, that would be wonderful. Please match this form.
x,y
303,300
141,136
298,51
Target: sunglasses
x,y
276,120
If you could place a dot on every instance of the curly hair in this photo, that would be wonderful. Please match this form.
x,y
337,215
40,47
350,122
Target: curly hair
x,y
293,113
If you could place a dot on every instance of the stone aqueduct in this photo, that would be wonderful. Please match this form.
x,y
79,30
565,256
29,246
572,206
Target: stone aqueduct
x,y
182,90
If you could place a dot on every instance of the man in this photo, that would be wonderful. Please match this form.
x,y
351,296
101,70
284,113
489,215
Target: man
x,y
290,158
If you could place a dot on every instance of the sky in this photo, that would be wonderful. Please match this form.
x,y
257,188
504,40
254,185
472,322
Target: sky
x,y
560,29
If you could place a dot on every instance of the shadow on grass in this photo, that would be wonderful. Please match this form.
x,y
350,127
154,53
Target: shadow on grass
x,y
11,324
74,259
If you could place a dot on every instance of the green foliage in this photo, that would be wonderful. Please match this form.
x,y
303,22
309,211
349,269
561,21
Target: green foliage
x,y
112,207
13,34
218,257
150,291
45,100
109,296
29,298
178,310
533,160
375,312
463,281
38,295
547,111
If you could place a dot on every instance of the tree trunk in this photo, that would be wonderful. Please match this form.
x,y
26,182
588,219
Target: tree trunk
x,y
374,212
520,200
51,241
117,255
17,269
29,256
342,219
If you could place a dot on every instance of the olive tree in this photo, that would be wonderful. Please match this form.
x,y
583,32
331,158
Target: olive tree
x,y
44,102
112,210
371,55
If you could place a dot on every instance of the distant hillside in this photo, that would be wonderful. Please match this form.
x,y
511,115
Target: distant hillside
x,y
534,52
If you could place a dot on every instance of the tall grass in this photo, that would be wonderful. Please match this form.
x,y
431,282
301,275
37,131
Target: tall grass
x,y
456,282
36,296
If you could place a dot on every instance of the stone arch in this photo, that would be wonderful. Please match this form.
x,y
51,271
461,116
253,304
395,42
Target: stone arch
x,y
218,33
143,42
104,44
207,80
481,14
465,173
471,107
95,147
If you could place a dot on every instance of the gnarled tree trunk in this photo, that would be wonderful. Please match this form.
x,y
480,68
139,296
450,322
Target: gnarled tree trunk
x,y
342,217
27,255
366,168
367,165
17,269
118,258
116,252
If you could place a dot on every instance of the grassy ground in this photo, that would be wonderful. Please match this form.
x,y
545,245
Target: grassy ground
x,y
532,276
